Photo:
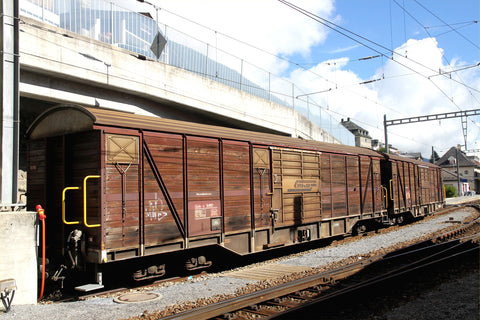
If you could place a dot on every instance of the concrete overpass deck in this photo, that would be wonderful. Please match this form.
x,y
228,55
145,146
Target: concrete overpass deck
x,y
58,66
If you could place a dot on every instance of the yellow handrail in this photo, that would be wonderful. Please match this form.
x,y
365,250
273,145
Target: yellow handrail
x,y
85,201
63,205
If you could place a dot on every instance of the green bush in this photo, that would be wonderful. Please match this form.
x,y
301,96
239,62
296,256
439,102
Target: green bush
x,y
450,191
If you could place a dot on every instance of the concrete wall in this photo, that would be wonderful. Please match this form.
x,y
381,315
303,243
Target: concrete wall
x,y
18,254
58,66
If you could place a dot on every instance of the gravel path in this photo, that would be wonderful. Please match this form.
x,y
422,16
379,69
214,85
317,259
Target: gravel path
x,y
208,286
364,246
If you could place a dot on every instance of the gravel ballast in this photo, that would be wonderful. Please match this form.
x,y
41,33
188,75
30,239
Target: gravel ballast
x,y
210,285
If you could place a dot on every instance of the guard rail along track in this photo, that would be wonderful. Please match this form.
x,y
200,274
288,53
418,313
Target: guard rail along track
x,y
274,301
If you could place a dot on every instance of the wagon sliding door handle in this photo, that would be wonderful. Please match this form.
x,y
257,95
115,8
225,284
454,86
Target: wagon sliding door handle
x,y
85,202
63,205
391,189
386,196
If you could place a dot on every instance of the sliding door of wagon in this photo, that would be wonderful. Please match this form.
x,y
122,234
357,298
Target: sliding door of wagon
x,y
163,218
372,198
262,187
296,183
428,180
379,194
340,186
236,186
333,186
122,176
203,183
400,185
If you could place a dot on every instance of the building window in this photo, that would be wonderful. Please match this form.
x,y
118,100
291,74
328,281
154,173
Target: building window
x,y
466,171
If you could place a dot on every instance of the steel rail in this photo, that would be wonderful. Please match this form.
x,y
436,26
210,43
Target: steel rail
x,y
402,270
323,278
245,301
369,282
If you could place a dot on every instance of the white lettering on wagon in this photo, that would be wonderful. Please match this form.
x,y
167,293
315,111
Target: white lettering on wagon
x,y
155,210
206,210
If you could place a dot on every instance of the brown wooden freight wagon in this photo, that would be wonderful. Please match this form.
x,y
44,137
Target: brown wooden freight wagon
x,y
137,186
413,186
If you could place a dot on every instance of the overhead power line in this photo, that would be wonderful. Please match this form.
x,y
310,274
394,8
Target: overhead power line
x,y
355,37
444,58
457,70
345,32
466,23
428,33
453,29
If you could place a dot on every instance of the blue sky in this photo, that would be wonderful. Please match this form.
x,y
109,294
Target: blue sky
x,y
317,59
386,23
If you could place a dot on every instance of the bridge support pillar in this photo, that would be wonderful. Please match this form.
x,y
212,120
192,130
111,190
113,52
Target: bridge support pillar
x,y
10,111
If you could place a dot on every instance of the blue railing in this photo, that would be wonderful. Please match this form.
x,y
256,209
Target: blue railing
x,y
133,31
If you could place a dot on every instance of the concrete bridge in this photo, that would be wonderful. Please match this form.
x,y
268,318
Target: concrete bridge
x,y
44,65
56,66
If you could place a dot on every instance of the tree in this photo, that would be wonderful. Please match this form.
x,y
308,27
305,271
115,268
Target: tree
x,y
450,191
383,150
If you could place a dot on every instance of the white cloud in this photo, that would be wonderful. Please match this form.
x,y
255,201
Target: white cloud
x,y
405,91
345,49
416,94
267,24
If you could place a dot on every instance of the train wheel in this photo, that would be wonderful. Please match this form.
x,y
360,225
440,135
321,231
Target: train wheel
x,y
360,228
195,263
149,273
400,219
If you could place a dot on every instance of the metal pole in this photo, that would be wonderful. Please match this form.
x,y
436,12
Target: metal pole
x,y
241,73
16,100
9,101
385,130
206,63
158,28
269,88
293,96
458,173
111,23
308,109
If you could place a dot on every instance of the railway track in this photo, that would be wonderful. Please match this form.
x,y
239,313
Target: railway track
x,y
268,271
122,287
209,289
281,300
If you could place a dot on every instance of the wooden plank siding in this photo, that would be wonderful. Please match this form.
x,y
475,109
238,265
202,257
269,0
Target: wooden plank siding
x,y
372,194
296,205
431,190
37,169
159,223
236,184
262,193
353,185
203,184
